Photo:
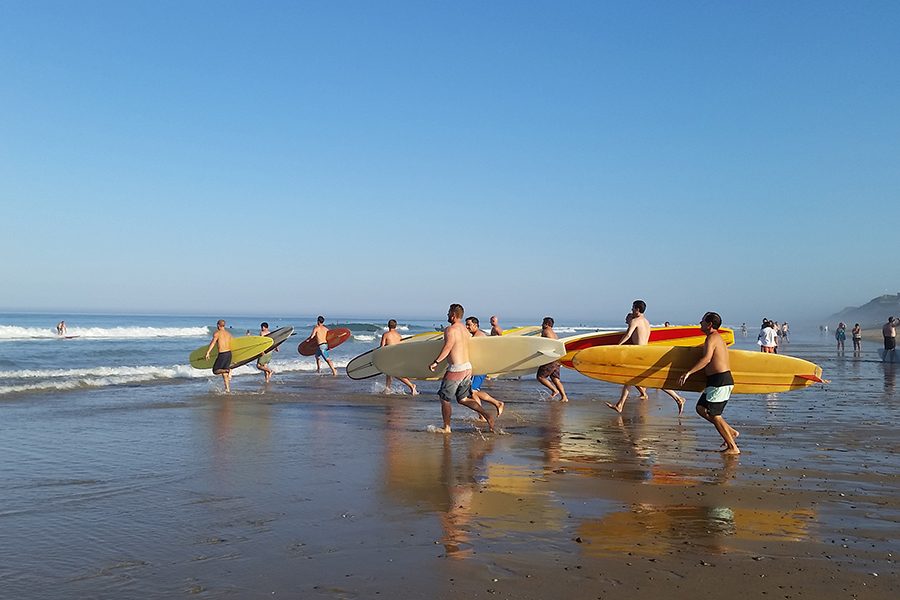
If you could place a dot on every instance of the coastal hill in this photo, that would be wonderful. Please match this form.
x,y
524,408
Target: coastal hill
x,y
873,314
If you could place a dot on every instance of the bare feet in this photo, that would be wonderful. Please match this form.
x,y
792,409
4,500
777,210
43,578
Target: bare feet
x,y
643,397
734,450
680,402
615,407
500,406
414,392
553,395
564,398
490,422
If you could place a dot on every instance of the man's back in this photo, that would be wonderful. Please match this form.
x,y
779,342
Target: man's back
x,y
391,337
223,340
456,335
889,329
641,335
321,333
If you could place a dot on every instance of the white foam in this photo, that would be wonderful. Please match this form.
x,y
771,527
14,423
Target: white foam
x,y
14,332
363,338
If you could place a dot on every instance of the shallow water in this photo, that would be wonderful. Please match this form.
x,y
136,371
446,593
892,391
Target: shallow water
x,y
316,486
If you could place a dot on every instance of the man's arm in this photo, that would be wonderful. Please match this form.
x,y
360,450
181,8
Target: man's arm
x,y
708,350
209,349
631,327
383,336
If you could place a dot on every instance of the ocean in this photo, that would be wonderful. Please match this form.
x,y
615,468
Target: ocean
x,y
128,474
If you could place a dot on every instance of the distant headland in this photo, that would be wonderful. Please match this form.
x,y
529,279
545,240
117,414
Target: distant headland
x,y
872,314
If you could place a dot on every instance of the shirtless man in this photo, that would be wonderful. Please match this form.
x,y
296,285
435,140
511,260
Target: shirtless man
x,y
890,333
61,328
638,334
719,382
548,375
390,337
262,363
495,326
320,334
222,339
457,381
478,380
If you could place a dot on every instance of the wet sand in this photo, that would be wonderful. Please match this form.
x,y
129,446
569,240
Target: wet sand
x,y
314,487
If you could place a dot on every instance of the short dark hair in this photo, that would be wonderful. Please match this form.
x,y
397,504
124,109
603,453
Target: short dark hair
x,y
713,319
474,320
321,319
457,310
547,322
263,325
392,324
640,305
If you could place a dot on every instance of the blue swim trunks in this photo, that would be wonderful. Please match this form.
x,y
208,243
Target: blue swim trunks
x,y
322,351
477,381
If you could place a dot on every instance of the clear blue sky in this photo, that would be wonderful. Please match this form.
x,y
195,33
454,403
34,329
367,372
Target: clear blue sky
x,y
387,158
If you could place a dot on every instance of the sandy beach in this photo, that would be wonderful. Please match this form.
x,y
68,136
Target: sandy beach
x,y
320,487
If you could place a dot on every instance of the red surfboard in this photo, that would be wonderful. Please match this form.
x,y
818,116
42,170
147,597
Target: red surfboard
x,y
335,338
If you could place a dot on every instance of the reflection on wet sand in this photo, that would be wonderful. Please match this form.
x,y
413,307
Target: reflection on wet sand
x,y
451,476
654,530
890,375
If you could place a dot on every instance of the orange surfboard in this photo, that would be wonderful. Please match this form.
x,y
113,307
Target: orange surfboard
x,y
335,338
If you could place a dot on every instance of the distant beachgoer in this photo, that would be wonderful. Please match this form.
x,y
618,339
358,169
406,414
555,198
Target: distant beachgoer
x,y
890,333
389,338
638,334
744,329
767,338
495,326
61,328
548,375
478,380
666,324
856,332
320,334
222,366
785,332
840,334
719,382
262,363
457,381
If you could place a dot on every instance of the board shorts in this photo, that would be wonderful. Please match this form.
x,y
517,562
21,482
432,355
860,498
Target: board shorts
x,y
717,392
768,349
322,351
264,359
456,383
890,343
550,370
477,382
223,362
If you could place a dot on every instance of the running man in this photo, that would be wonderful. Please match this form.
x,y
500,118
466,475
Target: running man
x,y
388,338
222,339
457,381
320,334
478,380
638,334
262,363
495,326
719,382
548,375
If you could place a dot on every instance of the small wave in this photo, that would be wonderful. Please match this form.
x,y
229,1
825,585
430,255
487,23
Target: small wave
x,y
364,338
14,332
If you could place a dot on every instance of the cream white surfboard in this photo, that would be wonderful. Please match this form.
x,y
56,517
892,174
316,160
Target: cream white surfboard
x,y
498,354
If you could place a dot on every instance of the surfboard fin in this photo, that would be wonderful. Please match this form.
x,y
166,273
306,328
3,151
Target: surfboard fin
x,y
813,378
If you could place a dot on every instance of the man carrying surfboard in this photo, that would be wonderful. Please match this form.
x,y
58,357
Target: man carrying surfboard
x,y
389,338
320,334
222,366
478,380
638,334
548,375
457,381
495,326
719,382
262,363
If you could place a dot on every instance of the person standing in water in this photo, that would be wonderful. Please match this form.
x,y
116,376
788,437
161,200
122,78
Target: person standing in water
x,y
61,328
719,382
389,338
478,380
856,333
840,334
222,366
890,333
548,375
457,381
320,334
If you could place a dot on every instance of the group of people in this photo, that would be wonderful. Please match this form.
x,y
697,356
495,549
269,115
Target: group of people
x,y
840,335
771,335
459,384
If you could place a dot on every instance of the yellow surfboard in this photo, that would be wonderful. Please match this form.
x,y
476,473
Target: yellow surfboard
x,y
243,350
678,335
661,366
